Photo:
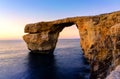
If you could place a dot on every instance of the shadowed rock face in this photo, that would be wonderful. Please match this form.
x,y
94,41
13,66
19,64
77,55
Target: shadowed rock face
x,y
99,39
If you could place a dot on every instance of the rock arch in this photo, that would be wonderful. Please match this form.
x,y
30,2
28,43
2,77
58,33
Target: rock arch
x,y
99,39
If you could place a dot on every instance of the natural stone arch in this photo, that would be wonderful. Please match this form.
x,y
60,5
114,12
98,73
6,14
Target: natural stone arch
x,y
99,39
42,39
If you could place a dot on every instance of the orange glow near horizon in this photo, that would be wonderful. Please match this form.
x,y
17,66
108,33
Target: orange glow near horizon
x,y
15,14
12,28
11,31
69,33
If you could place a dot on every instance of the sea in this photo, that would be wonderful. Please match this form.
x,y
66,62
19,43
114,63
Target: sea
x,y
68,62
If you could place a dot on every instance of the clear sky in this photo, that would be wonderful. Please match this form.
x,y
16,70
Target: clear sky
x,y
15,14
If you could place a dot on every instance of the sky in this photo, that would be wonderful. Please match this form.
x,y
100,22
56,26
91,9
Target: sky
x,y
15,14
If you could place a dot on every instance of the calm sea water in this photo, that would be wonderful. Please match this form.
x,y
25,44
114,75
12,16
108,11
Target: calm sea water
x,y
67,63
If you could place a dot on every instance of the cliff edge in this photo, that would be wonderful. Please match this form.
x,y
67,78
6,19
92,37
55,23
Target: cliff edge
x,y
99,39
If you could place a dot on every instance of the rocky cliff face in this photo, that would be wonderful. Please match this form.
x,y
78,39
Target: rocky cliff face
x,y
115,74
99,39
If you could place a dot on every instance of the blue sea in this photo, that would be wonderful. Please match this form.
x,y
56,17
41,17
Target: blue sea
x,y
67,62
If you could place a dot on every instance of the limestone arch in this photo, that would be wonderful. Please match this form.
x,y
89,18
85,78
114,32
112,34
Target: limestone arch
x,y
93,31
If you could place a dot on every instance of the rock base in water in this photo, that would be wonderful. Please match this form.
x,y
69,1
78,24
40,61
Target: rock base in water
x,y
99,39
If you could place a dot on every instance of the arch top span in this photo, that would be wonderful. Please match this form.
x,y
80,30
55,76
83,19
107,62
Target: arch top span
x,y
99,39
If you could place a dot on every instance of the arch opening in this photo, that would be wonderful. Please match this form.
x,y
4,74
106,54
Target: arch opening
x,y
69,33
68,54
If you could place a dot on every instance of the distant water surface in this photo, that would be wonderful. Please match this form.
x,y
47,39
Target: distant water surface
x,y
67,63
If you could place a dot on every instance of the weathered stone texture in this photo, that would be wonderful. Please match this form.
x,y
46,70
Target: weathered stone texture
x,y
99,39
115,74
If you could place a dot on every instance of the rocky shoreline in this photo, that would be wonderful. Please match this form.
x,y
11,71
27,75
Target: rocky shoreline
x,y
99,40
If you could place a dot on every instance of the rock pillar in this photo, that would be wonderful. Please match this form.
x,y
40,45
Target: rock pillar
x,y
43,36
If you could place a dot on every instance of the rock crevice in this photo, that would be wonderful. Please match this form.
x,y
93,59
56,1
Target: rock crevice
x,y
99,39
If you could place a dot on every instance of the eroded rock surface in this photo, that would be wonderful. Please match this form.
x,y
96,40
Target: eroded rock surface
x,y
99,39
115,74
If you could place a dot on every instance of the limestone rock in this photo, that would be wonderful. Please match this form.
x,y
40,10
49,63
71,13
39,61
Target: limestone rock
x,y
115,74
99,39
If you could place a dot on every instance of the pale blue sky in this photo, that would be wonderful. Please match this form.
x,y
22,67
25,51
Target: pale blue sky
x,y
16,13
